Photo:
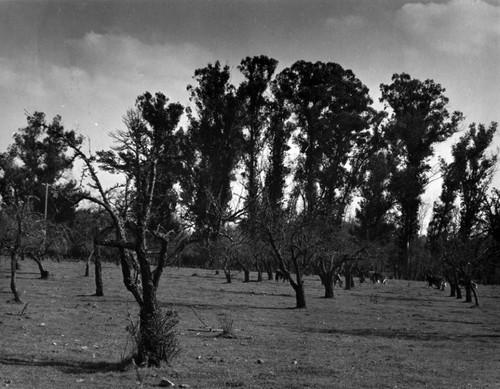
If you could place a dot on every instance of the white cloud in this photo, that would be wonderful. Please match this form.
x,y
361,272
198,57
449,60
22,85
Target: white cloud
x,y
95,79
464,27
348,22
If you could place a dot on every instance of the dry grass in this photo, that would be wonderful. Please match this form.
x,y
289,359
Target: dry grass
x,y
411,337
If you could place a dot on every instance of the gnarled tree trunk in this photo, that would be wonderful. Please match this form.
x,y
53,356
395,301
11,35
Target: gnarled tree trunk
x,y
44,274
87,263
227,273
327,281
259,271
468,293
13,287
300,296
453,289
349,281
99,289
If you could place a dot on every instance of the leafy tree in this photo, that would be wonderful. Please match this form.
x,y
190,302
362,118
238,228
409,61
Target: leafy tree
x,y
372,214
418,120
171,166
258,72
44,161
277,135
212,148
143,243
491,212
331,108
34,161
458,228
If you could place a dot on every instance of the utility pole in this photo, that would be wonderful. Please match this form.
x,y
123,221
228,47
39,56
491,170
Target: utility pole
x,y
45,213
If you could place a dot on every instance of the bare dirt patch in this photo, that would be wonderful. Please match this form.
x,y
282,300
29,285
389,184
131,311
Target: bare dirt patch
x,y
402,335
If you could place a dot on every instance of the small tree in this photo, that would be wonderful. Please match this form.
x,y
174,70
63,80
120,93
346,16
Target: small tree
x,y
147,140
335,251
293,241
14,223
36,159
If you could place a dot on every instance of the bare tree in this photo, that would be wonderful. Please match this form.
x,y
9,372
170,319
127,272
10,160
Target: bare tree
x,y
143,243
293,244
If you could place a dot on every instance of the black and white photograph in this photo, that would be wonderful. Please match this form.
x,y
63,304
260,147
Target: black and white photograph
x,y
249,194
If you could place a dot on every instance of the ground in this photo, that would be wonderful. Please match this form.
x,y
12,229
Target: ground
x,y
399,335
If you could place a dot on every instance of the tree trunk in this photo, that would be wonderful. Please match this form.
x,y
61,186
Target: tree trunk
x,y
246,272
459,292
475,297
452,289
349,279
227,273
147,354
44,274
87,264
468,293
99,290
259,272
347,275
269,271
13,263
327,280
300,295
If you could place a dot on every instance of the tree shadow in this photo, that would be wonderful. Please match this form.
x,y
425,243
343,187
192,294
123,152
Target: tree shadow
x,y
70,367
254,293
399,334
219,307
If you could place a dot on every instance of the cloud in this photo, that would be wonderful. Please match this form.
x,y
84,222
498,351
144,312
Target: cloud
x,y
93,80
132,62
348,22
463,27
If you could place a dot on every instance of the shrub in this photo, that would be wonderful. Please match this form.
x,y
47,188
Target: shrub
x,y
157,341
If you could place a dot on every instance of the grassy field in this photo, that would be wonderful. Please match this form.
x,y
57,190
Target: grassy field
x,y
400,335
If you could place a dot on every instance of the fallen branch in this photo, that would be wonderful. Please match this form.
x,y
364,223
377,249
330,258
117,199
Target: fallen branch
x,y
201,320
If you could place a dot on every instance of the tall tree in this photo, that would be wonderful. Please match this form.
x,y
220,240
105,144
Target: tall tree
x,y
331,108
372,214
277,135
212,147
418,120
458,226
475,169
252,92
491,212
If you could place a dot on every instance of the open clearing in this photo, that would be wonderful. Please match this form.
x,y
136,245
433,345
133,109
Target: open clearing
x,y
402,335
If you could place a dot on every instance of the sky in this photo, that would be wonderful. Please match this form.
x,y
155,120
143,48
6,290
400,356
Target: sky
x,y
88,60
